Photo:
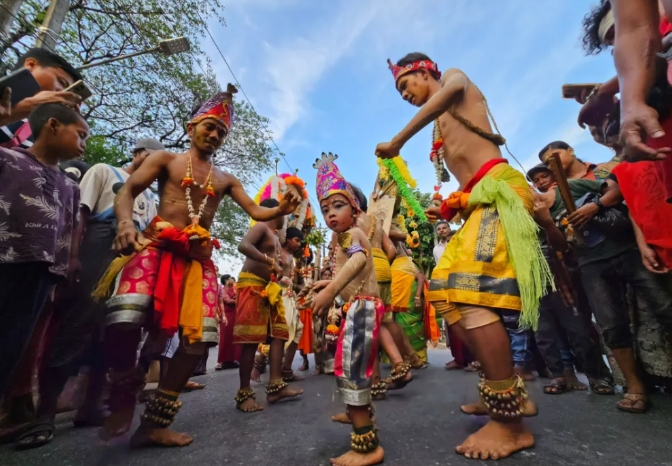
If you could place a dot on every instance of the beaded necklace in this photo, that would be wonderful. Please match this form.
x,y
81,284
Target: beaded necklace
x,y
187,182
436,156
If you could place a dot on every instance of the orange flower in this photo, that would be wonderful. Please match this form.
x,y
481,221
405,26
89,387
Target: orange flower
x,y
332,329
187,181
210,191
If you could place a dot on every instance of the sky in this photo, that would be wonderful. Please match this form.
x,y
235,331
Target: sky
x,y
318,71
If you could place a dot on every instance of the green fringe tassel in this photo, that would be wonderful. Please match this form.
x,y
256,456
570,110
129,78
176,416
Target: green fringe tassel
x,y
532,271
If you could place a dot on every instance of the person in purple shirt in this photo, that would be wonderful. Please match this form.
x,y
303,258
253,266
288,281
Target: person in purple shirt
x,y
38,225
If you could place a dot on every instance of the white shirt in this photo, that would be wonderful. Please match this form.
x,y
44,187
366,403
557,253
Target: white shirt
x,y
100,186
438,250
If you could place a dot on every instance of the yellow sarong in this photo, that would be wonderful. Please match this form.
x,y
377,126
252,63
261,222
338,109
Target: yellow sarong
x,y
403,278
495,259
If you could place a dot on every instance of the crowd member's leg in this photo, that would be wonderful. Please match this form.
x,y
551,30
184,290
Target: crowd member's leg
x,y
160,412
605,285
23,294
549,341
502,392
522,356
401,371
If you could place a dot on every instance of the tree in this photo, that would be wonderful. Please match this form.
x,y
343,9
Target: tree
x,y
150,95
424,254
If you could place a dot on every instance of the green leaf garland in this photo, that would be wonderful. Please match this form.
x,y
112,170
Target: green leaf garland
x,y
404,190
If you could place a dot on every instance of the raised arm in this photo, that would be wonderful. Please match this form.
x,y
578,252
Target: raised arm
x,y
258,213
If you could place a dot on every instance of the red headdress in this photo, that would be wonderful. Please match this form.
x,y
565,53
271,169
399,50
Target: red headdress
x,y
219,108
399,71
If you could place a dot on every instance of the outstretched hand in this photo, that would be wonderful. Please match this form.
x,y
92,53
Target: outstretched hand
x,y
581,216
433,213
388,150
639,119
289,202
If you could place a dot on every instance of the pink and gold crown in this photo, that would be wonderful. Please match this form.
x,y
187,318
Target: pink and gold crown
x,y
399,71
330,181
219,108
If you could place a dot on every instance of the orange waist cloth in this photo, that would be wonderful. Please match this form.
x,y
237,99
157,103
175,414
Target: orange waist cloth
x,y
306,341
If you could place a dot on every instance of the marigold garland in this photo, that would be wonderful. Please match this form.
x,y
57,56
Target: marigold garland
x,y
404,189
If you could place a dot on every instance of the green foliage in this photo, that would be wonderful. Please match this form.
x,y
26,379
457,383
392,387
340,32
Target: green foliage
x,y
316,238
149,95
422,255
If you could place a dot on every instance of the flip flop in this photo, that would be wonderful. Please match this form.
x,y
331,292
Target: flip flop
x,y
633,399
556,387
44,429
602,387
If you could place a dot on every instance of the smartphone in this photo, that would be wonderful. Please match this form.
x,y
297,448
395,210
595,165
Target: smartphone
x,y
570,91
22,83
81,89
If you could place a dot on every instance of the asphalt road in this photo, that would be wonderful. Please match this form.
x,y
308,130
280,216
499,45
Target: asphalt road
x,y
419,425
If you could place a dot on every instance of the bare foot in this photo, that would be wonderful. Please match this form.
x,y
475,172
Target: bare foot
x,y
353,458
527,376
256,376
162,437
573,383
291,376
283,394
304,367
343,418
318,371
117,424
496,440
399,384
478,409
250,406
452,365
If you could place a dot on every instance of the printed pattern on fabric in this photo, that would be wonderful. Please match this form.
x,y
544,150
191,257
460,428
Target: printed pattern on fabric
x,y
256,319
357,349
487,235
132,300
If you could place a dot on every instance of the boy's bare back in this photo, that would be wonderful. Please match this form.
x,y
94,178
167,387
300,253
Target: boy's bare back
x,y
266,241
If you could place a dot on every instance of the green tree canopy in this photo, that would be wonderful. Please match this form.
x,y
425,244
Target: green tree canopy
x,y
150,95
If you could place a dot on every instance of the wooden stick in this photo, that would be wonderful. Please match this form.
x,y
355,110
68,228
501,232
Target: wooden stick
x,y
553,163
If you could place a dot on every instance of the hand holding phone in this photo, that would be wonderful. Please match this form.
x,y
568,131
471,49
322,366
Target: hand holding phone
x,y
579,92
6,103
81,89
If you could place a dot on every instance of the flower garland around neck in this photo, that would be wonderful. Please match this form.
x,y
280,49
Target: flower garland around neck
x,y
187,182
436,157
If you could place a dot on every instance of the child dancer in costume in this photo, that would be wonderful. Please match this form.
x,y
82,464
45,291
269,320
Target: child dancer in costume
x,y
493,266
169,282
355,283
260,311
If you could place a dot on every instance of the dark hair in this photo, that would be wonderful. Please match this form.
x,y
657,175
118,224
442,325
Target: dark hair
x,y
592,44
554,145
417,56
74,169
443,222
224,278
270,203
196,107
43,113
361,198
293,232
48,59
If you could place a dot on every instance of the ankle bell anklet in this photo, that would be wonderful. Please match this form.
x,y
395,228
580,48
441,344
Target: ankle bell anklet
x,y
275,386
161,411
400,371
364,439
503,399
379,388
243,395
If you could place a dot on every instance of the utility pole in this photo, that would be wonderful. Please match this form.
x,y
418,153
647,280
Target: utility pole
x,y
50,31
9,11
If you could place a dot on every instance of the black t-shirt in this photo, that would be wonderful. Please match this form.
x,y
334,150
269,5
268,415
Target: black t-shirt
x,y
8,132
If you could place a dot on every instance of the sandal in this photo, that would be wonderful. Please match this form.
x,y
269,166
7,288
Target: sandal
x,y
602,387
452,365
191,386
39,433
473,366
556,387
630,401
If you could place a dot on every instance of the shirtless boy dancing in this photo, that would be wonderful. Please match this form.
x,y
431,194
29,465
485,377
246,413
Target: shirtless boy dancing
x,y
169,283
260,313
493,265
356,284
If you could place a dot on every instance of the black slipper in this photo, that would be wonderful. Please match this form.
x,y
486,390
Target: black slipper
x,y
44,429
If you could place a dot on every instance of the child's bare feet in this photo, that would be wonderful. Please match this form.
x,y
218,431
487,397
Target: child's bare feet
x,y
147,436
352,458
